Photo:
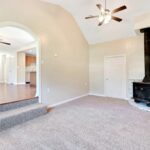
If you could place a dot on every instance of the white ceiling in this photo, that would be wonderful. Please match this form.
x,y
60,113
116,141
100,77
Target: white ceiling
x,y
112,31
31,52
17,37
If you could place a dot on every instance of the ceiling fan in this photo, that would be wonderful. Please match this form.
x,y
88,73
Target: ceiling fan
x,y
2,41
6,43
106,15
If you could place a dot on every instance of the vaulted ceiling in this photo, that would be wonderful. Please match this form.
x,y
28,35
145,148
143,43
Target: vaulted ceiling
x,y
112,31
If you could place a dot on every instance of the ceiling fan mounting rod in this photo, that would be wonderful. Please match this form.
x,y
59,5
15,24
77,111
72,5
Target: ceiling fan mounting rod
x,y
105,4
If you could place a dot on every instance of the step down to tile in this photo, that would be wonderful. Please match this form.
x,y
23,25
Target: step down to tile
x,y
18,104
14,117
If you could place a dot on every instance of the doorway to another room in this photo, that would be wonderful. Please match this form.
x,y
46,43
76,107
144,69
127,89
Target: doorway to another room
x,y
115,76
18,65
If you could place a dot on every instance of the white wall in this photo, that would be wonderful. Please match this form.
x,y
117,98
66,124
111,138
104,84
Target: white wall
x,y
21,64
132,47
1,69
64,50
7,67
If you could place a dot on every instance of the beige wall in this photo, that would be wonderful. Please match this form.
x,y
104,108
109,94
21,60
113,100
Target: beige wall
x,y
64,51
133,48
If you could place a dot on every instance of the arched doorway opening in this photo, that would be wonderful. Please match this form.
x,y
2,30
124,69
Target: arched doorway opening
x,y
20,71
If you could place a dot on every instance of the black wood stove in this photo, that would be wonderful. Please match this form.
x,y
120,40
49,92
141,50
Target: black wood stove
x,y
141,90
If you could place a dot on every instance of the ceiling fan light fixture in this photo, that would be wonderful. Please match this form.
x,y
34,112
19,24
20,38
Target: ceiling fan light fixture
x,y
105,16
101,18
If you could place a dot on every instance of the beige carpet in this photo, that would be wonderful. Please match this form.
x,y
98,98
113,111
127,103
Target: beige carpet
x,y
90,123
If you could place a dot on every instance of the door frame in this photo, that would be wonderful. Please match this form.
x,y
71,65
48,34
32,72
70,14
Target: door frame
x,y
38,48
125,82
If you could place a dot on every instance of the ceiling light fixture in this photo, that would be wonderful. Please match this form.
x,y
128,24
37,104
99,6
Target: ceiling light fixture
x,y
105,15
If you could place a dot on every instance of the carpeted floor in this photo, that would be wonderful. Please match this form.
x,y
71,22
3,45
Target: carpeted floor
x,y
90,123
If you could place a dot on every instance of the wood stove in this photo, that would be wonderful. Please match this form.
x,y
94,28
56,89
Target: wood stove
x,y
141,90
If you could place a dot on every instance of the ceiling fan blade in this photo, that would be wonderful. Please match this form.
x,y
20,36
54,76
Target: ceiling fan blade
x,y
90,17
101,23
5,43
99,6
119,9
116,18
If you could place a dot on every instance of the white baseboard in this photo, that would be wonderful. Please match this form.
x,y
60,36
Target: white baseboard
x,y
128,99
95,94
67,101
100,95
23,83
75,98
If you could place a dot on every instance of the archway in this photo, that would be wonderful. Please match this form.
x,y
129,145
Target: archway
x,y
36,45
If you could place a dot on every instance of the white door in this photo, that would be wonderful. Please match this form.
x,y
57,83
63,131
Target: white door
x,y
115,76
